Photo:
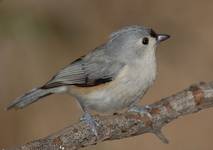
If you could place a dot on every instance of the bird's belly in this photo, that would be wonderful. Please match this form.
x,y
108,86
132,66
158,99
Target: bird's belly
x,y
114,99
115,95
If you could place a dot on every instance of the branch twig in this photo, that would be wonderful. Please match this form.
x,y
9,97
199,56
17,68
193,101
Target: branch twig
x,y
190,100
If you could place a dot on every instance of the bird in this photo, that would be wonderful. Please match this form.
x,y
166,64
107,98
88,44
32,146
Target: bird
x,y
112,77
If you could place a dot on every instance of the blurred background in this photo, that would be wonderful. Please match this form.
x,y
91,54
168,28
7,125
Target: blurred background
x,y
39,37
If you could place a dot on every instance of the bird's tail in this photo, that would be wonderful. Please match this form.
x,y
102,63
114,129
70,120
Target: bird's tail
x,y
30,97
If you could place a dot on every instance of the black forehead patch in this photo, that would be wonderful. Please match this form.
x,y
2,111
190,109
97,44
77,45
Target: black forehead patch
x,y
153,34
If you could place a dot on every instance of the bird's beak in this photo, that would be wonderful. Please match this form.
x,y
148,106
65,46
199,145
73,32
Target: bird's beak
x,y
162,37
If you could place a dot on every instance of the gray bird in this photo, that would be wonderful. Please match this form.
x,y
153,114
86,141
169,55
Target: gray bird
x,y
112,77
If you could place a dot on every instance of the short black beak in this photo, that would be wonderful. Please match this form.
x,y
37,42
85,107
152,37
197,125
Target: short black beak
x,y
162,37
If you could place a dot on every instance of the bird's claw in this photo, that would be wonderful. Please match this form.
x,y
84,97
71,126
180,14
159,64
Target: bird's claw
x,y
142,111
87,118
146,111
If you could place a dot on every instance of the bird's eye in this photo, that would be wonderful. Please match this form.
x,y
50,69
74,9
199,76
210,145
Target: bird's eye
x,y
145,41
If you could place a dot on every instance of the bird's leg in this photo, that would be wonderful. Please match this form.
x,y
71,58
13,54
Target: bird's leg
x,y
146,111
88,119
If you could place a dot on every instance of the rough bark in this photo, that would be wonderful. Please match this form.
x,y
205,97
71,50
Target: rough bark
x,y
118,126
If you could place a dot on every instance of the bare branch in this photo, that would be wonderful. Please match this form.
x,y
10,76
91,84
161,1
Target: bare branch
x,y
190,100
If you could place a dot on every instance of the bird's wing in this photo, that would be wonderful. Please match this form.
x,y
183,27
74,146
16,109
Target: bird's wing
x,y
86,72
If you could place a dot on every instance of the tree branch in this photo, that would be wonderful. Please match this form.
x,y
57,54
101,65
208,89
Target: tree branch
x,y
190,100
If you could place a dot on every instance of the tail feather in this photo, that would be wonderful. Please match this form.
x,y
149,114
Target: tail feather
x,y
29,98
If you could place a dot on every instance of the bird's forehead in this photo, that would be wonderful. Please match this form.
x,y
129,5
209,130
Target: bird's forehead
x,y
131,31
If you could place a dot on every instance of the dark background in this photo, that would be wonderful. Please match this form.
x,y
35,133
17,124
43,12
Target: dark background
x,y
38,37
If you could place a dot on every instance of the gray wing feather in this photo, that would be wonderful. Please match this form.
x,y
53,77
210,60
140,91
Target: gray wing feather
x,y
87,71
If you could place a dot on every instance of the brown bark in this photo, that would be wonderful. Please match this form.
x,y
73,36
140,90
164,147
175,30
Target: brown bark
x,y
190,100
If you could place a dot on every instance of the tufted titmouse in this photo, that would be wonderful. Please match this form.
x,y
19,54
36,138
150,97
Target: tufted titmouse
x,y
110,78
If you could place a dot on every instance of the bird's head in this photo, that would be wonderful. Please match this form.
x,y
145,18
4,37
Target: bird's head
x,y
135,41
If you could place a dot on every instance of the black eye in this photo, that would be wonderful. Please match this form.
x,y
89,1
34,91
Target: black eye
x,y
145,41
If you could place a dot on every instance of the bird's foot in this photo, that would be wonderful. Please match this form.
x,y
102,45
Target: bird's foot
x,y
146,111
141,110
88,119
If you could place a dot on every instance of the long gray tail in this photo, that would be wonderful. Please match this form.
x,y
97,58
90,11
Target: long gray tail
x,y
30,97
